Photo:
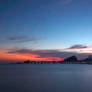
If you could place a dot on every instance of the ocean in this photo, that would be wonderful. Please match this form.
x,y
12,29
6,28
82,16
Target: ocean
x,y
45,78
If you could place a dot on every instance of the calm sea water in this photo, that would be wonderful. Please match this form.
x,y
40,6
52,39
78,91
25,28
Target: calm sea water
x,y
46,78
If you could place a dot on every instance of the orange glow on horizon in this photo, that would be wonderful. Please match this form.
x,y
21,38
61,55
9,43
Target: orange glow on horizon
x,y
4,56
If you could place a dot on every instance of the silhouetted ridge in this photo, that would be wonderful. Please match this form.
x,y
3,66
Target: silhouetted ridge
x,y
71,59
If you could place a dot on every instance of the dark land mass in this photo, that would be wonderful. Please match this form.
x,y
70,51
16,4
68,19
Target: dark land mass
x,y
69,60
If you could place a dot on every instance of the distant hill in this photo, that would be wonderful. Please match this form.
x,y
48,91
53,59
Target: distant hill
x,y
72,59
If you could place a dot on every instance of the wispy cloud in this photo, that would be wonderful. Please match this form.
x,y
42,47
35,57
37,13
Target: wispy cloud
x,y
40,55
49,53
78,46
17,38
24,39
31,51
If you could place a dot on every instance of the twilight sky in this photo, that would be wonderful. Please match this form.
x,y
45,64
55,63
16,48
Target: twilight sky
x,y
45,29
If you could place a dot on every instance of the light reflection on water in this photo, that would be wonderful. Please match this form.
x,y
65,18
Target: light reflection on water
x,y
46,78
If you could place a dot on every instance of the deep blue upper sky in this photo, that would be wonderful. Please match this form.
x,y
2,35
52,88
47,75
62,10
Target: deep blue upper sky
x,y
45,24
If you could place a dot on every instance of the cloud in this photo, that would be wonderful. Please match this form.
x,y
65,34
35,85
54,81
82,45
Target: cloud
x,y
88,51
17,38
24,39
80,51
39,55
78,46
42,54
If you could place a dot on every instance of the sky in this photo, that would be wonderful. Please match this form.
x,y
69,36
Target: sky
x,y
45,30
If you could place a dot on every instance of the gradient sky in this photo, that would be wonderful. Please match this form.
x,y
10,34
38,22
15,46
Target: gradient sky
x,y
45,29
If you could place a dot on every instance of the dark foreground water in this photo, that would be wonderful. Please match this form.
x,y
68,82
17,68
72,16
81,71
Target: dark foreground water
x,y
46,78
